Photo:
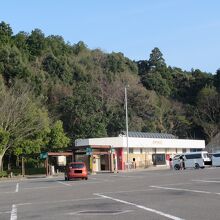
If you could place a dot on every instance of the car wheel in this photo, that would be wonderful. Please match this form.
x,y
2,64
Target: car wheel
x,y
197,166
177,167
86,178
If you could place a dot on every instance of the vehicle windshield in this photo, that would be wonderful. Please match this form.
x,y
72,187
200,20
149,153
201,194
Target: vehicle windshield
x,y
176,157
76,165
206,155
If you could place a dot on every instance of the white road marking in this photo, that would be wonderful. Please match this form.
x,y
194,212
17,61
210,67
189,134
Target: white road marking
x,y
66,184
127,191
21,204
7,192
40,187
92,212
186,190
59,201
14,213
92,178
17,187
6,212
141,207
176,184
129,176
207,181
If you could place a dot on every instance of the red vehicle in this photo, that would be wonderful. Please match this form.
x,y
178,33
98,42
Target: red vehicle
x,y
76,170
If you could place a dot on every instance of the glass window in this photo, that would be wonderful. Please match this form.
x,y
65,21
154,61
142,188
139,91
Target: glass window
x,y
141,150
131,150
76,165
158,159
193,156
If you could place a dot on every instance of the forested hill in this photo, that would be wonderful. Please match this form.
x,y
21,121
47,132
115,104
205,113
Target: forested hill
x,y
84,88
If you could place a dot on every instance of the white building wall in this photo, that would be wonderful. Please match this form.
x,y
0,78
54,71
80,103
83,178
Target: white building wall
x,y
118,142
160,151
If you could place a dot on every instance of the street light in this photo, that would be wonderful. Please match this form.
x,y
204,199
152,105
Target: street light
x,y
126,119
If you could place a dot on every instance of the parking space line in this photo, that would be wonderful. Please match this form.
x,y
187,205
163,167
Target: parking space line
x,y
14,213
7,192
58,201
92,178
140,207
96,212
207,181
6,212
41,187
66,184
127,191
186,190
17,187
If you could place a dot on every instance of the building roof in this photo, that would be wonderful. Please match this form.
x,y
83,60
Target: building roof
x,y
148,135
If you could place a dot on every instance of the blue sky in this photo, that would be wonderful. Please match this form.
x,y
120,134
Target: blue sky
x,y
186,31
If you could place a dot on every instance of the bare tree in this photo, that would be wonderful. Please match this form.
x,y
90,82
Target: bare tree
x,y
20,117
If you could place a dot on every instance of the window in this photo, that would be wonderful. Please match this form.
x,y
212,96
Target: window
x,y
216,155
193,156
158,159
76,165
131,150
141,150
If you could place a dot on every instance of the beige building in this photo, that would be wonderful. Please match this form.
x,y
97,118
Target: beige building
x,y
144,150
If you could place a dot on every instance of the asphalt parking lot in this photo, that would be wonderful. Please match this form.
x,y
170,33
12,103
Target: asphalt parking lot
x,y
156,194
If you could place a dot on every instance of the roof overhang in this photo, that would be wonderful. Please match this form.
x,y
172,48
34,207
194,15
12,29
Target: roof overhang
x,y
121,142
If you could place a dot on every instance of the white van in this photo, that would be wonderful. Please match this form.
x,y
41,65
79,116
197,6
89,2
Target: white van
x,y
191,160
216,159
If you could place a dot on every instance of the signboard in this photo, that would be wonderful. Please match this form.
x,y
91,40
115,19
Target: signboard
x,y
88,151
43,155
112,150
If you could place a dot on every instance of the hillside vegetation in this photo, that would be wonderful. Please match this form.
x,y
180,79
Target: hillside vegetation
x,y
53,92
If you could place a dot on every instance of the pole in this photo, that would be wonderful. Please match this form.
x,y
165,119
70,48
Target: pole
x,y
126,112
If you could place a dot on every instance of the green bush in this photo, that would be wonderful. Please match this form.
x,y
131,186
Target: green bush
x,y
32,171
3,174
15,171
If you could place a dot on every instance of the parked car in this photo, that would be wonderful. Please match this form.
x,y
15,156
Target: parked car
x,y
76,170
215,159
191,160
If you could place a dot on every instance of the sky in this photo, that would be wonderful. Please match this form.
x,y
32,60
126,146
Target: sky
x,y
187,32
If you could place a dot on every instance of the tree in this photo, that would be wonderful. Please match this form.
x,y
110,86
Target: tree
x,y
4,138
154,81
217,80
82,114
207,112
57,139
20,40
5,33
11,63
21,118
156,59
79,47
154,73
36,42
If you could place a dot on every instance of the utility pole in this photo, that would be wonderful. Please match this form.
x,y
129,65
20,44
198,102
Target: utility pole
x,y
126,118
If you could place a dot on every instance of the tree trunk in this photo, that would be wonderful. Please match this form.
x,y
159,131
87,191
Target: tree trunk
x,y
22,166
1,162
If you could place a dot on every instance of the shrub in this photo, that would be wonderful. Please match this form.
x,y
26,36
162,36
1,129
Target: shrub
x,y
3,174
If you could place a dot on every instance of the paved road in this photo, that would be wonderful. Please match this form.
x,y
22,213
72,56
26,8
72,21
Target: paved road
x,y
151,195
